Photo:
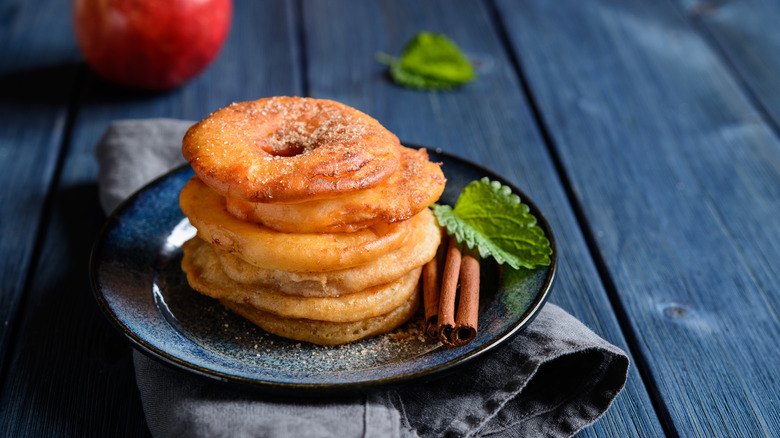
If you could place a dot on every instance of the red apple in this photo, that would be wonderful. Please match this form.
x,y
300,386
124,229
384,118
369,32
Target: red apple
x,y
151,44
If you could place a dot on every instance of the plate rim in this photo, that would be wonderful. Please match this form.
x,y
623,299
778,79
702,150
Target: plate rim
x,y
432,372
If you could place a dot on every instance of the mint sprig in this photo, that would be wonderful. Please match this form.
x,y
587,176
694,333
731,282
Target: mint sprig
x,y
488,216
430,61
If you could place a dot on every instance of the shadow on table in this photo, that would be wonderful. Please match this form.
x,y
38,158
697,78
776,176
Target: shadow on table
x,y
43,85
69,365
57,84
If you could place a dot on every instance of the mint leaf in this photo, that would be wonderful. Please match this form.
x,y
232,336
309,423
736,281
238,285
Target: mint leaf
x,y
489,216
430,61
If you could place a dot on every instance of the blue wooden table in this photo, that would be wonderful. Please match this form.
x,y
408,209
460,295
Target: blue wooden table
x,y
647,131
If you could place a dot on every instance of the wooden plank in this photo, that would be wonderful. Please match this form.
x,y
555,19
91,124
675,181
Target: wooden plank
x,y
747,35
71,373
488,121
749,38
37,81
678,177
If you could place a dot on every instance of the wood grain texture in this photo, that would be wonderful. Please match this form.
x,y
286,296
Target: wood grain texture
x,y
749,40
37,79
488,121
679,177
747,36
71,372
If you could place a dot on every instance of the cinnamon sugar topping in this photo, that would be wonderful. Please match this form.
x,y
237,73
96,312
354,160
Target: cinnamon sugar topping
x,y
302,126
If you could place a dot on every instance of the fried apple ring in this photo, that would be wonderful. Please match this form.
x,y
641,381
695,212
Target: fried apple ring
x,y
290,149
419,248
204,274
295,252
416,184
325,332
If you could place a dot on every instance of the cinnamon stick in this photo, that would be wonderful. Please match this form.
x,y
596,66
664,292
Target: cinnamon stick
x,y
432,272
449,286
431,290
468,305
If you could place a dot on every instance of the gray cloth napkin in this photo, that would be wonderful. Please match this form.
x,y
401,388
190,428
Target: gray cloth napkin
x,y
553,379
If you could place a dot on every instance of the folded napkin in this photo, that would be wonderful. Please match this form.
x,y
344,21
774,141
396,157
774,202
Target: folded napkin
x,y
552,379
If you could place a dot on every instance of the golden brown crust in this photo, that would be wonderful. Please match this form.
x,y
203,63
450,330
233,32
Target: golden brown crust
x,y
419,248
416,184
290,149
205,275
295,252
324,332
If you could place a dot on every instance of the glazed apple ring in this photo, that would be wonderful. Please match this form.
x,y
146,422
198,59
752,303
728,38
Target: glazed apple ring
x,y
205,275
295,252
290,149
416,184
419,248
326,332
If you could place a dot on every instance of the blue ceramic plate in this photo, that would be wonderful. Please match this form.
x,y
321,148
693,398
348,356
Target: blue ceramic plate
x,y
140,287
